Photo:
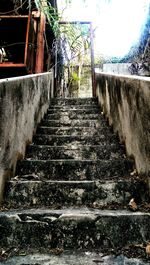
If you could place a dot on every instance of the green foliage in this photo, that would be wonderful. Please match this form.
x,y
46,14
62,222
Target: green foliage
x,y
74,36
74,39
71,42
75,77
51,14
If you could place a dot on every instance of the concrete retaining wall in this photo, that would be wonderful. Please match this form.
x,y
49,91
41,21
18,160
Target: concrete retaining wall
x,y
124,69
117,68
126,103
23,102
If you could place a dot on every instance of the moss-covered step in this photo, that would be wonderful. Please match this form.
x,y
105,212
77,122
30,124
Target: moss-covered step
x,y
74,123
74,101
75,107
60,257
54,194
73,116
73,228
101,139
76,169
76,131
75,110
82,152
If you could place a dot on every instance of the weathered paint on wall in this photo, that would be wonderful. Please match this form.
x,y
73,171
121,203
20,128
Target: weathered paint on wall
x,y
125,101
23,102
124,69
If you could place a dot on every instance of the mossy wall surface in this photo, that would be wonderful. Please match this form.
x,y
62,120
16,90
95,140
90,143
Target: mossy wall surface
x,y
125,102
23,102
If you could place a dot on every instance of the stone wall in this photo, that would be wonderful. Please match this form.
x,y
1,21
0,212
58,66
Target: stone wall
x,y
125,101
23,102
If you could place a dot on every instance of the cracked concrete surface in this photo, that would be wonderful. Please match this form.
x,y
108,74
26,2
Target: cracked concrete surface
x,y
83,258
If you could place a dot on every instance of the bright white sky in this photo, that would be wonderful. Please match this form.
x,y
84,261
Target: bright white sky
x,y
117,22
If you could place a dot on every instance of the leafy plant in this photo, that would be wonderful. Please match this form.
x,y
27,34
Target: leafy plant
x,y
71,40
74,36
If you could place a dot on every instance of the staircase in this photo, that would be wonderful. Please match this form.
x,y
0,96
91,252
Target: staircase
x,y
72,190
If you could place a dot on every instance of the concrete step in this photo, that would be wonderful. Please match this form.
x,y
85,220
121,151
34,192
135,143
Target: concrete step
x,y
82,152
74,123
73,107
74,101
58,140
72,116
54,194
75,110
74,131
73,258
75,169
73,228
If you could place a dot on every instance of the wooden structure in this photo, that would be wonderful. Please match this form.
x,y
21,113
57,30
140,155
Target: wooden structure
x,y
17,44
25,43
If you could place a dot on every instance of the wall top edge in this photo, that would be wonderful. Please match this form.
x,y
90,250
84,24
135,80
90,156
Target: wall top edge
x,y
130,77
24,77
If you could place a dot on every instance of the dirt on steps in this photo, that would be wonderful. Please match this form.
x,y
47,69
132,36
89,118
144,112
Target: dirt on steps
x,y
73,188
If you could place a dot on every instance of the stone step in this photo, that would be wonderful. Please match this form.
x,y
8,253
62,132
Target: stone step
x,y
72,116
74,123
76,131
91,110
73,228
74,101
62,194
73,107
75,169
74,141
44,152
60,257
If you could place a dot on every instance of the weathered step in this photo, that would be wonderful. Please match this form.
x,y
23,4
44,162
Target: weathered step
x,y
83,152
65,140
73,107
73,228
75,169
90,110
74,101
76,131
73,258
74,193
74,123
72,116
